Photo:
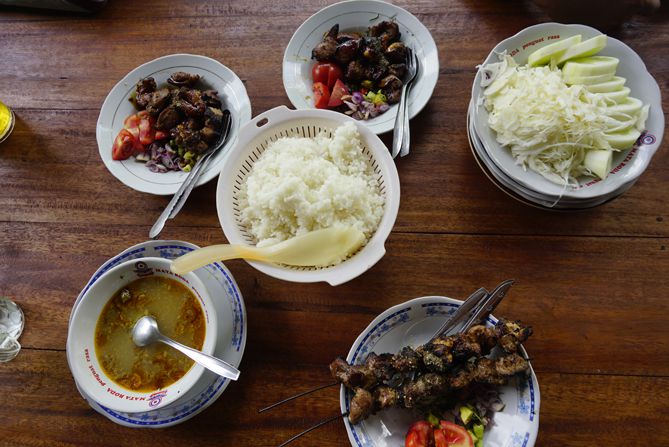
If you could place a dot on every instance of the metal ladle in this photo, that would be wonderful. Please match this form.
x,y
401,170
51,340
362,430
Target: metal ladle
x,y
146,332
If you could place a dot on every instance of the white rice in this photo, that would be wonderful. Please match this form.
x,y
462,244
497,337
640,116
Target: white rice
x,y
305,184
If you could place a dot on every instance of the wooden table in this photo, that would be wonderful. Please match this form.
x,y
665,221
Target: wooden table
x,y
593,284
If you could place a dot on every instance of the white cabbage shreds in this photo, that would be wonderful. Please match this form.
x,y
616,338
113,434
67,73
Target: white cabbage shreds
x,y
304,184
548,125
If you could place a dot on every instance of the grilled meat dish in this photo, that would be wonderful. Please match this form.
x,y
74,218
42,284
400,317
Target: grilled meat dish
x,y
367,60
191,117
434,371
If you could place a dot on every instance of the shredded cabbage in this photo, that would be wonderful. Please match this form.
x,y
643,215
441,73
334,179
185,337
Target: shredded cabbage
x,y
547,125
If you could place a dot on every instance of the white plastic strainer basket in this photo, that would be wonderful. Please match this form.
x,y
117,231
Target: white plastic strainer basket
x,y
253,140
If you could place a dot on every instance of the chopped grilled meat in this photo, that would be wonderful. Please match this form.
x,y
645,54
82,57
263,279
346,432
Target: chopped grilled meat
x,y
350,375
190,102
437,355
386,397
210,98
386,31
347,51
146,85
477,341
326,49
396,52
168,118
489,371
371,49
183,79
392,88
343,37
158,100
210,135
362,404
511,334
407,360
425,390
356,71
398,70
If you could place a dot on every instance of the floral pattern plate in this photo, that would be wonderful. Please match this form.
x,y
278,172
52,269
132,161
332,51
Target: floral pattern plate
x,y
413,323
230,345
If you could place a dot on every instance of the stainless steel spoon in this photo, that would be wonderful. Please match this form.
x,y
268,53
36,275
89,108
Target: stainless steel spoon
x,y
146,332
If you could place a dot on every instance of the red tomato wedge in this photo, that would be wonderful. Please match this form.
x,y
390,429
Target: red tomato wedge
x,y
321,95
419,435
452,435
146,131
131,124
124,145
327,73
160,135
338,91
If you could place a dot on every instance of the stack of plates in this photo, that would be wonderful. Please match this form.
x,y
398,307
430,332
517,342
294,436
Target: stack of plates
x,y
530,187
230,345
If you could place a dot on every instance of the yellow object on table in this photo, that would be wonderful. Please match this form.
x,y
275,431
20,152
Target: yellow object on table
x,y
6,121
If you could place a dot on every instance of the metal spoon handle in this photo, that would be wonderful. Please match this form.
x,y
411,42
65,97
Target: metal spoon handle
x,y
398,131
406,130
211,363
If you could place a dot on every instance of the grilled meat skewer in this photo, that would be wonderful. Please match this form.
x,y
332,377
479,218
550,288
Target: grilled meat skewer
x,y
440,355
431,388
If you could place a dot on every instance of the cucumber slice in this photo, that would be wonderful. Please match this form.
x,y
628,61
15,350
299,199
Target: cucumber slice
x,y
617,96
616,83
587,80
589,47
622,140
629,107
591,66
599,162
543,55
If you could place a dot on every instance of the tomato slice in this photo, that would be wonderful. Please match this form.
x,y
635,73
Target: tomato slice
x,y
419,435
334,74
160,135
131,124
124,145
327,73
452,435
146,131
321,95
338,91
319,72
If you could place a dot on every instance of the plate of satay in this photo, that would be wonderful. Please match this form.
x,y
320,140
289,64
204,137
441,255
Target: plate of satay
x,y
403,386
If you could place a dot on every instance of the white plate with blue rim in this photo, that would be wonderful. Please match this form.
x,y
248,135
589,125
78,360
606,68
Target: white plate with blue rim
x,y
230,345
357,15
116,108
411,324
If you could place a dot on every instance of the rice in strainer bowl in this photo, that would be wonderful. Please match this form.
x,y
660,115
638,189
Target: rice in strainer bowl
x,y
297,171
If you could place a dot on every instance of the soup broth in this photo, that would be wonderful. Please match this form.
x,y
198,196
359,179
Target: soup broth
x,y
179,316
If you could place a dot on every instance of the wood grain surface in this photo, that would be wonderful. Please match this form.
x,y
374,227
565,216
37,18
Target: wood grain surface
x,y
593,284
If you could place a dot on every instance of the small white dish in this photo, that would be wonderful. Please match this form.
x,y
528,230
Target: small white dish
x,y
279,122
116,108
231,313
413,323
627,165
358,15
81,350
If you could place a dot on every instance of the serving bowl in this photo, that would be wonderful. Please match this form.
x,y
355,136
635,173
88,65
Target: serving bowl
x,y
357,15
231,342
117,107
81,351
413,323
283,122
627,165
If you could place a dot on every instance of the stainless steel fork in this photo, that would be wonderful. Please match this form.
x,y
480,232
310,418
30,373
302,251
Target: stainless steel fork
x,y
401,132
